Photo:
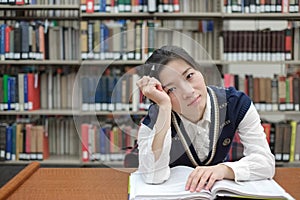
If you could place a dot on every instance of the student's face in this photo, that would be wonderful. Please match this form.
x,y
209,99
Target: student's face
x,y
186,89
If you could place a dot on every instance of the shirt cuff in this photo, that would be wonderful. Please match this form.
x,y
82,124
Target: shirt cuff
x,y
240,170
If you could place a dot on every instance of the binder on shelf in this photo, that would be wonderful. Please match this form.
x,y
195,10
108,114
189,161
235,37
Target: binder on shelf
x,y
85,142
33,82
8,146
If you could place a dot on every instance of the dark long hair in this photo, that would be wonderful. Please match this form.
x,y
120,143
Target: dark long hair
x,y
162,56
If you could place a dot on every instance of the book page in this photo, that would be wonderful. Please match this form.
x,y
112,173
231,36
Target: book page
x,y
172,188
260,189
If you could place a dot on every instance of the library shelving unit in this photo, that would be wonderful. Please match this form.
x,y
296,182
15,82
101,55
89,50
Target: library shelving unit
x,y
215,14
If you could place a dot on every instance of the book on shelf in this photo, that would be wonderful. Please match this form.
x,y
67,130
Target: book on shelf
x,y
26,140
101,40
259,45
121,6
282,141
38,90
111,92
105,143
279,92
39,40
267,6
174,188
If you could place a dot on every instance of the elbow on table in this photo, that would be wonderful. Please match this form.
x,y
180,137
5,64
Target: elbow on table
x,y
272,168
156,177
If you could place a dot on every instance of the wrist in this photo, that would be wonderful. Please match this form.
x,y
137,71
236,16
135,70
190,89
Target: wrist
x,y
228,172
167,106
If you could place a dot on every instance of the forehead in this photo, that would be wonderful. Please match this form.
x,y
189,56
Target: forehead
x,y
176,67
173,71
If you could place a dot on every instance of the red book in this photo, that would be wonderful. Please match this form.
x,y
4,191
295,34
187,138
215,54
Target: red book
x,y
288,44
42,41
33,83
112,6
128,136
111,142
246,85
228,80
19,2
90,6
176,5
85,142
7,38
267,129
46,152
281,89
28,140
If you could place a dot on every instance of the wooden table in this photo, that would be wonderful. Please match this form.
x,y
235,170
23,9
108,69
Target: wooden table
x,y
96,183
289,179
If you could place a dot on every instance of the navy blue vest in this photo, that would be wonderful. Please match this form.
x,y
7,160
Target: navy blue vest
x,y
231,106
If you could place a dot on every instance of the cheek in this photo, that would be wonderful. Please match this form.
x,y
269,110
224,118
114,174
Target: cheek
x,y
175,103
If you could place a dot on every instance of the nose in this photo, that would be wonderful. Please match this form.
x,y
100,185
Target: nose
x,y
188,91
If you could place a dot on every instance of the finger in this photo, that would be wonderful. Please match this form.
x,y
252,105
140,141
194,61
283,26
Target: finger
x,y
143,81
203,180
195,180
188,183
155,83
159,87
210,182
190,179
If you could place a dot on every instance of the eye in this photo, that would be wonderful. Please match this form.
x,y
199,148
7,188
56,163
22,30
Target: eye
x,y
170,90
190,75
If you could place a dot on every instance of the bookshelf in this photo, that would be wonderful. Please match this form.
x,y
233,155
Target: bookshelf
x,y
66,65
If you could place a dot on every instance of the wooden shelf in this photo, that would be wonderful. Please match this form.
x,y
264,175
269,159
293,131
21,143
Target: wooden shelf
x,y
75,161
65,160
39,7
146,15
279,113
136,62
288,164
181,16
71,112
104,113
284,62
194,16
40,62
88,62
260,16
39,18
86,113
52,160
39,112
112,62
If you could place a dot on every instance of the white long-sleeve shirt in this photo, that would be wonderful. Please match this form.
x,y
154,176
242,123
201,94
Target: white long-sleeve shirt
x,y
258,161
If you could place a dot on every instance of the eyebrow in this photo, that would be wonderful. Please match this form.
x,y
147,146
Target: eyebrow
x,y
182,74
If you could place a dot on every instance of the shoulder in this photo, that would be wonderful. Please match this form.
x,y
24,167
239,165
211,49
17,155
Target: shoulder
x,y
231,92
236,97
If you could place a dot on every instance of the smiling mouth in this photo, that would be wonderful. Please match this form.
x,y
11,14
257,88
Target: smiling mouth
x,y
195,100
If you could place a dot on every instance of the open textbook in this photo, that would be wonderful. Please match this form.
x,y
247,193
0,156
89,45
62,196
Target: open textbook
x,y
174,188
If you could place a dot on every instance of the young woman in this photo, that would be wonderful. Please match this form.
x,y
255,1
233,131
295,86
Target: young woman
x,y
193,124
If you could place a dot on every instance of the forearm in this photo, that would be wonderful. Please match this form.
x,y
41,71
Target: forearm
x,y
153,171
258,161
162,126
254,167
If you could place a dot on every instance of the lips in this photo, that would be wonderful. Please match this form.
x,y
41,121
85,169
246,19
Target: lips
x,y
197,99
